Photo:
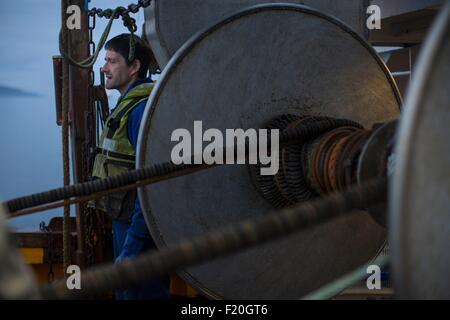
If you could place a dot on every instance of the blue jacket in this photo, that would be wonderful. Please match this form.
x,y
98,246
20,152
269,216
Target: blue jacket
x,y
132,239
138,227
137,237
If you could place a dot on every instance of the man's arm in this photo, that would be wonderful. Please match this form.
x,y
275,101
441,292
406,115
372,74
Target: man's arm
x,y
134,122
138,237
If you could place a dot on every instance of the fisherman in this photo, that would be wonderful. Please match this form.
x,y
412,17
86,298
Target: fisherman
x,y
117,152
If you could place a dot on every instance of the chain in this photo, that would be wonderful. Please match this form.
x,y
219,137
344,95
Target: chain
x,y
132,8
88,216
89,149
128,22
91,236
44,228
111,14
91,27
91,81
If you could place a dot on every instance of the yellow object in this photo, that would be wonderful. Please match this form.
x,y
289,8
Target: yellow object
x,y
33,255
179,287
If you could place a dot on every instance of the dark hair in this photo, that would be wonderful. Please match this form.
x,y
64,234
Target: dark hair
x,y
142,52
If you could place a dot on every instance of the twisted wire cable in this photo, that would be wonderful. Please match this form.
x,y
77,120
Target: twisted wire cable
x,y
232,239
155,173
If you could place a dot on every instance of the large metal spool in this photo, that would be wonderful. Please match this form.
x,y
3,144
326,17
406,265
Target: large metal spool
x,y
255,65
420,198
166,34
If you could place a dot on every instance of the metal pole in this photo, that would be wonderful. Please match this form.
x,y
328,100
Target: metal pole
x,y
65,140
79,107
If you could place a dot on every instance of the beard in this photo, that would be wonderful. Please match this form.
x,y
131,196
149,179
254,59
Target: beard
x,y
110,84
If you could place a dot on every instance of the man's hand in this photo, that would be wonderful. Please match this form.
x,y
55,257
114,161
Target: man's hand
x,y
132,247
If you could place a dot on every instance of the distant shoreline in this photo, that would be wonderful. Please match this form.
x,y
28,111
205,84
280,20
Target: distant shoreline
x,y
14,92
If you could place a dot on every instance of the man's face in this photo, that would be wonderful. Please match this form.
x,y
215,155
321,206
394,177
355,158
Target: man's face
x,y
118,74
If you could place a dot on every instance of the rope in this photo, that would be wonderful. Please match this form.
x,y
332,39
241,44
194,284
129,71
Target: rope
x,y
165,174
247,234
128,22
90,61
159,172
334,288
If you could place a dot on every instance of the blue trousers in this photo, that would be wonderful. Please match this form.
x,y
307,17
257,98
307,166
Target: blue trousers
x,y
156,289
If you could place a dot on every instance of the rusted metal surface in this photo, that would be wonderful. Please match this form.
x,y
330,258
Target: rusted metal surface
x,y
44,250
41,240
374,155
375,161
58,78
244,71
79,107
65,140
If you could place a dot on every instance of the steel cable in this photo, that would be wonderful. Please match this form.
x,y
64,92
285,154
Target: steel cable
x,y
155,173
247,234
